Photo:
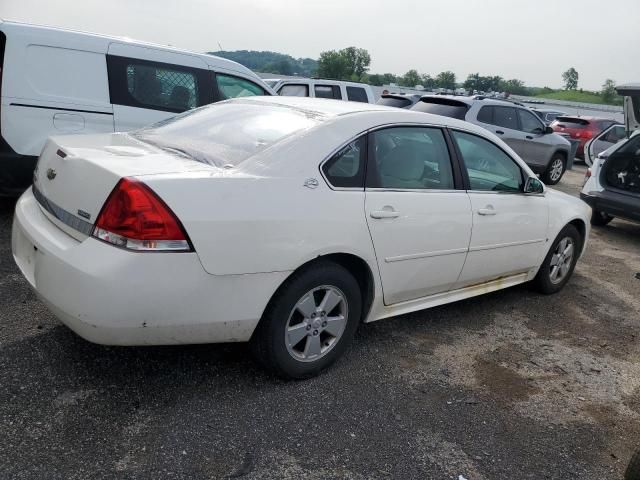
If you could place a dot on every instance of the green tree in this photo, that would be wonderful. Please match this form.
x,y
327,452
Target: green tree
x,y
515,86
472,82
410,79
347,64
609,90
427,81
570,79
446,80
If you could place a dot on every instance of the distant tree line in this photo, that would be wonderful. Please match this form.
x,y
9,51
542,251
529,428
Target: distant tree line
x,y
353,63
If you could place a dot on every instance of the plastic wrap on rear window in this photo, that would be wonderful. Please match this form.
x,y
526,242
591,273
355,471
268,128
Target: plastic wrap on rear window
x,y
227,133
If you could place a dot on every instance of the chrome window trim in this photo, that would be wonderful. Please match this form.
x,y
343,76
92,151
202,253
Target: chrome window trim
x,y
61,214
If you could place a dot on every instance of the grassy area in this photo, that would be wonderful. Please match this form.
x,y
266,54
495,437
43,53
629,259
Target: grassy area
x,y
578,96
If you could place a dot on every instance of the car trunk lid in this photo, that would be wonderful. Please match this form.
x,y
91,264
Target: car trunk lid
x,y
75,174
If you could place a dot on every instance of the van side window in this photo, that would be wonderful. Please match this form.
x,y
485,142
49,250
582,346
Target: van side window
x,y
294,90
328,91
232,87
357,94
154,85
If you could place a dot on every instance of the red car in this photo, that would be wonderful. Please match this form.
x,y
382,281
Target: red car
x,y
580,128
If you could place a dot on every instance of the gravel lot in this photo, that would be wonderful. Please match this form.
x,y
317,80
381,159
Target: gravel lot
x,y
513,385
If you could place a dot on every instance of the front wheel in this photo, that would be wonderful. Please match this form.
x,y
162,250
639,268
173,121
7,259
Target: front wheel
x,y
600,218
558,265
309,322
555,170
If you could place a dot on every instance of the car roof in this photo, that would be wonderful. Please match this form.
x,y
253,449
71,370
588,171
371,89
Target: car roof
x,y
36,31
335,109
629,89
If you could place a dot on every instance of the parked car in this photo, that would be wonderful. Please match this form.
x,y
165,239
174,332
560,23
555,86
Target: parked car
x,y
55,81
547,115
581,128
321,88
545,152
399,100
271,232
603,141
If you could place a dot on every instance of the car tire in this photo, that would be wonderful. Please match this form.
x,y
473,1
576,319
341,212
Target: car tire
x,y
555,170
599,218
558,265
633,469
297,345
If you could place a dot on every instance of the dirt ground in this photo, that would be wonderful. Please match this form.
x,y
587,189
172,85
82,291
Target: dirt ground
x,y
512,385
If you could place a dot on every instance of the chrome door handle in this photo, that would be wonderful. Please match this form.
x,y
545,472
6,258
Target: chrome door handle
x,y
384,214
486,211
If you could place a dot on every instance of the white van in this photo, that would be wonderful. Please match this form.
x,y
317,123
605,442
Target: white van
x,y
55,81
319,88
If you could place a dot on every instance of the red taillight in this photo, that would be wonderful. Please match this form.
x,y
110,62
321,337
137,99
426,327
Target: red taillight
x,y
587,134
134,217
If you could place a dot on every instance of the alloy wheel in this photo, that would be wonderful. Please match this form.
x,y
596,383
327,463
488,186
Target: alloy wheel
x,y
316,323
556,169
561,260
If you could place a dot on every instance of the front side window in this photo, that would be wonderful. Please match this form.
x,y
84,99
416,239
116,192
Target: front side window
x,y
529,122
296,90
233,87
505,117
410,158
489,168
357,94
346,168
328,91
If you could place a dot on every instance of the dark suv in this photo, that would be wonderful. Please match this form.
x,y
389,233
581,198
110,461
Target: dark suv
x,y
544,151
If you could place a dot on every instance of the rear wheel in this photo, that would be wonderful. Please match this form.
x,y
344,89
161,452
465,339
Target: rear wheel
x,y
555,170
559,263
600,218
310,321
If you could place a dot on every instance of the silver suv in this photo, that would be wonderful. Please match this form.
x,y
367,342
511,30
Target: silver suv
x,y
544,151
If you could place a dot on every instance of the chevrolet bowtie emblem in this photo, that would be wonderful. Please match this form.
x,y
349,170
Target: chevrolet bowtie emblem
x,y
51,173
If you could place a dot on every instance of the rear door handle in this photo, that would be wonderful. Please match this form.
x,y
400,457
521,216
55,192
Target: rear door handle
x,y
384,214
499,132
488,210
529,137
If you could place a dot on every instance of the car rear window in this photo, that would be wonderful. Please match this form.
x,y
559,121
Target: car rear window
x,y
571,122
357,94
394,102
227,133
442,106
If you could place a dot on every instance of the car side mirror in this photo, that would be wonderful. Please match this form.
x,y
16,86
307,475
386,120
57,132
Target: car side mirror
x,y
533,186
548,130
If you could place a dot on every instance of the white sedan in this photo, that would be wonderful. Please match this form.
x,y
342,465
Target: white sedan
x,y
285,222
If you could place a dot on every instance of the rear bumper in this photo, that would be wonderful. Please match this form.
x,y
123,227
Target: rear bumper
x,y
614,204
16,173
115,297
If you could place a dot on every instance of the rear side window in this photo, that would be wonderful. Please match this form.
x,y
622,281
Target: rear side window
x,y
357,94
346,168
156,86
444,106
328,91
233,87
394,102
294,90
485,115
505,117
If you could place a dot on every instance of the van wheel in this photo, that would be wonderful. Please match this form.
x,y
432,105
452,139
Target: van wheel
x,y
555,170
309,322
600,218
558,265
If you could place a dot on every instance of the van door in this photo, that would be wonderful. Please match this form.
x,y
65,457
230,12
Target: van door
x,y
147,85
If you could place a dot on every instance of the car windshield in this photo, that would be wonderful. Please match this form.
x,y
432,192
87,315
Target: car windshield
x,y
227,133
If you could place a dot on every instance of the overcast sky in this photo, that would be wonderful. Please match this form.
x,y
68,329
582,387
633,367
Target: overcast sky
x,y
534,41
